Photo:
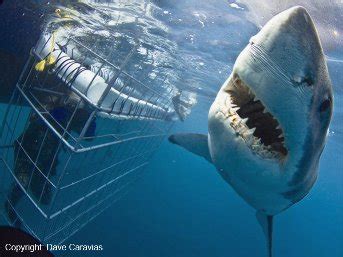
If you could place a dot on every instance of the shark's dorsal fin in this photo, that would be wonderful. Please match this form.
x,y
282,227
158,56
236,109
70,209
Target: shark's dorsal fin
x,y
195,143
266,222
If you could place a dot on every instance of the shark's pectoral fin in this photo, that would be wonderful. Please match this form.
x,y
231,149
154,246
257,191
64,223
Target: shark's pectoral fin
x,y
266,222
195,143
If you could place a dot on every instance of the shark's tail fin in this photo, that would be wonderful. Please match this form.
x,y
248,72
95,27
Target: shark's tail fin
x,y
266,222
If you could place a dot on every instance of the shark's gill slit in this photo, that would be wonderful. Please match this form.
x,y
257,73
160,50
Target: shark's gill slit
x,y
250,119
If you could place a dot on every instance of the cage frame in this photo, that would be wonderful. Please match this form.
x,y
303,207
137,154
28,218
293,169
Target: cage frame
x,y
21,95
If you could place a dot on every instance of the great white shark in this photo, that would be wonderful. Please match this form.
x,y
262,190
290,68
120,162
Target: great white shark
x,y
268,125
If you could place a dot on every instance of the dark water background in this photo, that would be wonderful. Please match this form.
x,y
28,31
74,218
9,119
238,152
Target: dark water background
x,y
181,207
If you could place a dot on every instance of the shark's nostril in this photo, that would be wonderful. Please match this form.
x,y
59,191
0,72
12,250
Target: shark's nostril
x,y
325,105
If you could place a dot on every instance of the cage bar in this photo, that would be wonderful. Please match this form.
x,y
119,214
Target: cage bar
x,y
75,137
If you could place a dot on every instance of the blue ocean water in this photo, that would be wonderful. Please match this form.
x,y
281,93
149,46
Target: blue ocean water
x,y
181,206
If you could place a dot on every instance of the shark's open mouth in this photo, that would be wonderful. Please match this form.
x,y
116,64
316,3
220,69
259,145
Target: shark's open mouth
x,y
251,121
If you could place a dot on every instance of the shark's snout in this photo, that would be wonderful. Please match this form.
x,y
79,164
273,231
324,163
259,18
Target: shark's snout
x,y
291,42
291,23
297,14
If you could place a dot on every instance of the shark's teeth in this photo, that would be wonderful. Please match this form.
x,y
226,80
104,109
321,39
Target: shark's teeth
x,y
252,122
236,118
235,109
247,134
257,141
249,140
240,131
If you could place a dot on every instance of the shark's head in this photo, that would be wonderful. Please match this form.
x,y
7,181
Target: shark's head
x,y
271,116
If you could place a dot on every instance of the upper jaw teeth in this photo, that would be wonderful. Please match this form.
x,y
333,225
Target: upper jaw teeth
x,y
241,112
247,134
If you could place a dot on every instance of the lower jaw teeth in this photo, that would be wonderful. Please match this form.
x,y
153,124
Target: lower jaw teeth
x,y
248,134
244,103
254,143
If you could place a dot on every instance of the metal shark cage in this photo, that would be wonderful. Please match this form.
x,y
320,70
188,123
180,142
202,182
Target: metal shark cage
x,y
73,141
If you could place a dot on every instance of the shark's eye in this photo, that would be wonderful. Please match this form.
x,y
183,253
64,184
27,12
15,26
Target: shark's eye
x,y
325,105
